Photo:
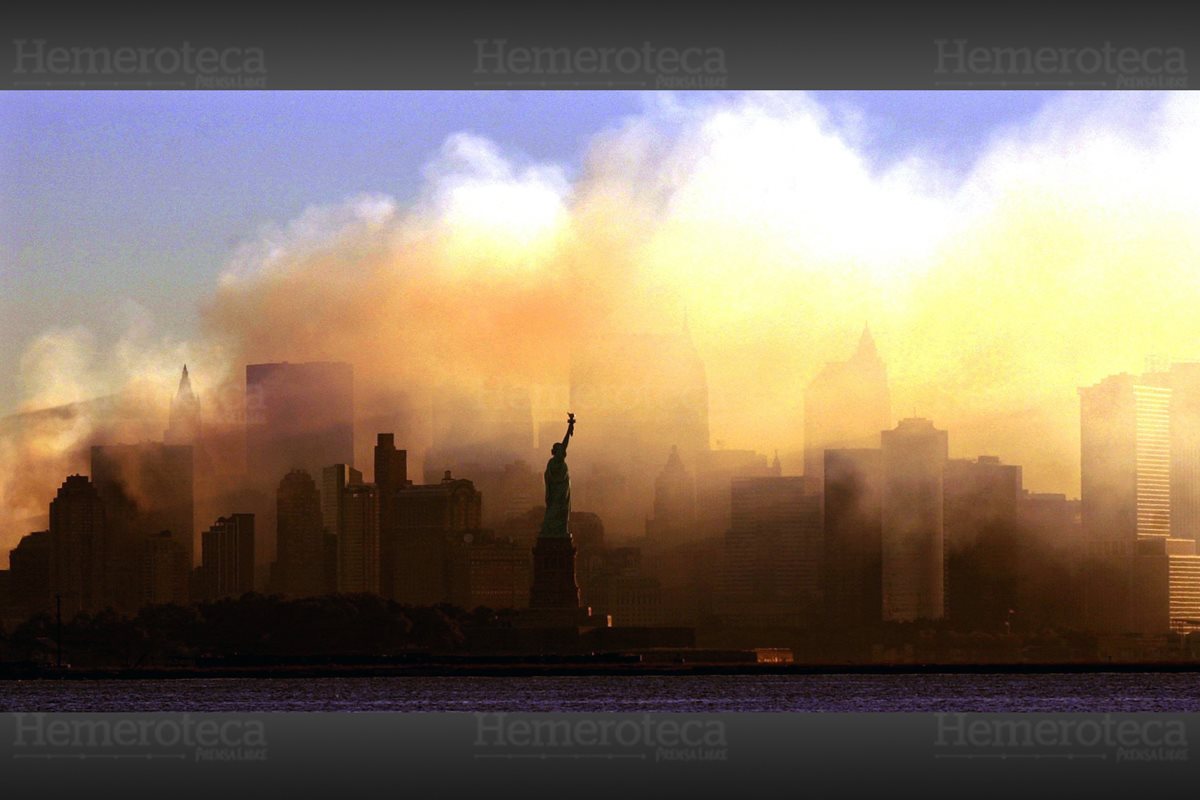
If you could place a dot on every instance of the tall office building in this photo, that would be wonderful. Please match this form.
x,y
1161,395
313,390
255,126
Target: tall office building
x,y
1185,450
358,540
846,405
298,416
853,530
914,458
715,472
227,562
299,568
427,517
982,543
145,488
184,421
77,537
1125,464
773,552
391,474
334,479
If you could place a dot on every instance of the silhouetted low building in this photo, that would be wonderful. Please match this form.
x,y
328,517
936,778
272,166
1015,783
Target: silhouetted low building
x,y
167,570
30,571
227,558
427,518
489,571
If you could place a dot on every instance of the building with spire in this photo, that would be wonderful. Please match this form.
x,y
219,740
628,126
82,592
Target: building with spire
x,y
184,422
846,406
674,502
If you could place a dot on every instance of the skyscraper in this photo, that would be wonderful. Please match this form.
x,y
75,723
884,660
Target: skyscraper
x,y
773,553
298,416
184,424
358,539
1185,451
715,472
299,565
1125,458
846,405
146,488
227,563
914,458
391,474
1138,450
853,530
334,479
77,537
426,517
674,517
982,543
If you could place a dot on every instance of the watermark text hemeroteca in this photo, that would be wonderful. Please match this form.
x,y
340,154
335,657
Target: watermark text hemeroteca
x,y
182,737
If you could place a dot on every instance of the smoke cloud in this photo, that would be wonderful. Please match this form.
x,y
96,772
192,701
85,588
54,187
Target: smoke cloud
x,y
1066,252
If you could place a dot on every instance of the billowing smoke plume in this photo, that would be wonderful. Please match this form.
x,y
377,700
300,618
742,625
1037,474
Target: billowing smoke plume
x,y
1069,250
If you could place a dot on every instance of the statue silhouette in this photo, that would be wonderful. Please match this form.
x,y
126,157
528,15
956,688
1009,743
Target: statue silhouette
x,y
558,487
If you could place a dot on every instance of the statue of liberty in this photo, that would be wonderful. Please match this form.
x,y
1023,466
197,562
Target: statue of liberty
x,y
558,488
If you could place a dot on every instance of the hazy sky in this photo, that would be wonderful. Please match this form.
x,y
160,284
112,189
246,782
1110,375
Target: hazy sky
x,y
115,205
1006,249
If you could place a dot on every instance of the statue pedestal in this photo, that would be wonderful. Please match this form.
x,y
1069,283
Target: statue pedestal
x,y
554,585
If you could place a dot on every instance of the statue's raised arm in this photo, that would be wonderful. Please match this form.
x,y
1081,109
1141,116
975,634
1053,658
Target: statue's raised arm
x,y
570,430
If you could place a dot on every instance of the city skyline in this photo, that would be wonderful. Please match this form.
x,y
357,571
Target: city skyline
x,y
735,293
975,234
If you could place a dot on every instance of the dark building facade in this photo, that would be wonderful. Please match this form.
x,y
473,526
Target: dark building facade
x,y
912,506
358,540
146,488
391,474
227,565
30,568
983,542
853,530
78,540
429,518
773,553
300,568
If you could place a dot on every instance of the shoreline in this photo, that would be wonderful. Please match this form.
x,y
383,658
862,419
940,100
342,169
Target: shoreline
x,y
434,669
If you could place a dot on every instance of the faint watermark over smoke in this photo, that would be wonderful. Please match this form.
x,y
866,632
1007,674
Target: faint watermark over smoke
x,y
145,737
1105,66
39,63
1107,737
657,737
499,63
